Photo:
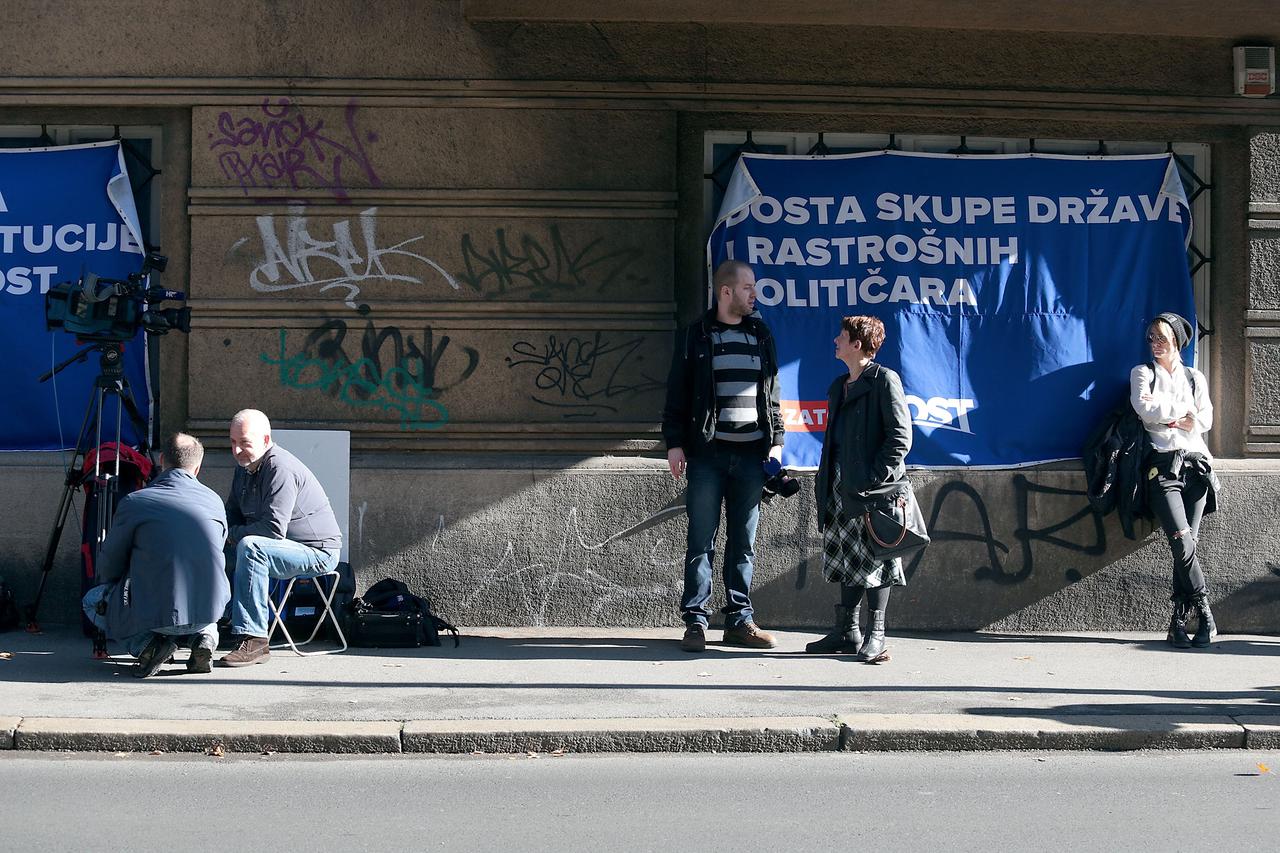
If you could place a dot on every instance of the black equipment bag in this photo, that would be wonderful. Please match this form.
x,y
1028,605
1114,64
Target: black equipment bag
x,y
306,604
381,629
389,615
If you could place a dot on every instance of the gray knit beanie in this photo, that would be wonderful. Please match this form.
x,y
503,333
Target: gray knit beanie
x,y
1181,328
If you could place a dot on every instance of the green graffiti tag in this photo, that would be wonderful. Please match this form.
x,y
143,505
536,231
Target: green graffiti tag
x,y
363,384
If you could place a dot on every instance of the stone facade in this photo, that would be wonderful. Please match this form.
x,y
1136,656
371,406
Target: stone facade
x,y
466,231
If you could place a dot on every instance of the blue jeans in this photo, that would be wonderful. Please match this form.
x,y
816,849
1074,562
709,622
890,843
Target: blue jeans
x,y
206,635
734,477
260,559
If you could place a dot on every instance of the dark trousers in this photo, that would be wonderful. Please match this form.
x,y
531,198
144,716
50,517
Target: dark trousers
x,y
732,477
1178,501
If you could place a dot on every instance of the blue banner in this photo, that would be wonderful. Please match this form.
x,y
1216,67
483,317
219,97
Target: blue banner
x,y
64,212
1015,290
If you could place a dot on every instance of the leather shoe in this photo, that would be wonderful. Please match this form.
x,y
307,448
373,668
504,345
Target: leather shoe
x,y
158,652
748,635
201,660
694,640
250,651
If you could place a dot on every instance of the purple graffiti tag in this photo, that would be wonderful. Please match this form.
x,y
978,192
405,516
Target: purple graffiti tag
x,y
281,147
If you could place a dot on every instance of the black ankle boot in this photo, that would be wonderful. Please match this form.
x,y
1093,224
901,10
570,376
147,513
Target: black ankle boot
x,y
1207,629
1178,627
845,639
873,646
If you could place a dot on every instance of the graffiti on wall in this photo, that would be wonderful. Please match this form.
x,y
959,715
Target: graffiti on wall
x,y
998,568
303,261
277,145
537,587
390,371
537,268
581,375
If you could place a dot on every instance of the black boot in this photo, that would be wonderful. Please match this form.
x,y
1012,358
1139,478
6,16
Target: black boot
x,y
1207,629
845,639
872,650
1178,626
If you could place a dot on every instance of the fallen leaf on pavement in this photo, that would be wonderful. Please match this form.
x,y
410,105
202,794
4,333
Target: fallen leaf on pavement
x,y
557,752
477,752
1262,768
217,751
6,655
532,754
1024,657
268,752
393,664
704,675
1015,698
156,752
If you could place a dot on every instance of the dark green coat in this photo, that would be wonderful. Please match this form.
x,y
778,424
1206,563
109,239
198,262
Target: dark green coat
x,y
874,428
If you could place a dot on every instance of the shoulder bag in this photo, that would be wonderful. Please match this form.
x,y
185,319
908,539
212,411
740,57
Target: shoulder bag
x,y
895,528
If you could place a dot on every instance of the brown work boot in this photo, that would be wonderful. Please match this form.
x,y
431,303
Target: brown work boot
x,y
695,639
250,651
748,635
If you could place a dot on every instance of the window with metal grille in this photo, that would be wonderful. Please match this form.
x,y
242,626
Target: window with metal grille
x,y
142,150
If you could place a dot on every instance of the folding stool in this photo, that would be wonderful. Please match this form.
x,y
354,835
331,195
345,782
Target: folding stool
x,y
326,603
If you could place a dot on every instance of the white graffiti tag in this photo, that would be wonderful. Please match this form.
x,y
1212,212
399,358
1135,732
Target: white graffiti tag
x,y
290,266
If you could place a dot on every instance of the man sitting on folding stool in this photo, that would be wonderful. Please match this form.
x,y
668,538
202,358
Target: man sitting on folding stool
x,y
281,526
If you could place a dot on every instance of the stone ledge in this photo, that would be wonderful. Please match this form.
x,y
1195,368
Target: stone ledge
x,y
952,732
711,734
88,735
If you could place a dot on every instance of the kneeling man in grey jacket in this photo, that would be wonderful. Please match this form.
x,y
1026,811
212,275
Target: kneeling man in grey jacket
x,y
163,567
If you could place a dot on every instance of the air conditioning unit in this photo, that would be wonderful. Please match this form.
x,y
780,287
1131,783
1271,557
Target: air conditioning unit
x,y
1255,71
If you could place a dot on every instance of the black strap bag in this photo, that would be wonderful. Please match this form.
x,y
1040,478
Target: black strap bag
x,y
390,616
895,525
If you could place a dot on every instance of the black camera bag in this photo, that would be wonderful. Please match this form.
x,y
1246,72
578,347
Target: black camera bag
x,y
390,616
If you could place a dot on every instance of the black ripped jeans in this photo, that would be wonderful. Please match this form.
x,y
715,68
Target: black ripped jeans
x,y
1178,499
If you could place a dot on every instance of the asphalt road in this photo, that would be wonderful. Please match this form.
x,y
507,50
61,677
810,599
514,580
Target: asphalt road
x,y
882,802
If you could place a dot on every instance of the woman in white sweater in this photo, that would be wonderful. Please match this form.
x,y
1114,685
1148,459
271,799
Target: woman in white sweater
x,y
1172,400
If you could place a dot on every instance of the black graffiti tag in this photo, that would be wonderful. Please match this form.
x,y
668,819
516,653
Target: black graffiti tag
x,y
582,374
996,568
406,380
526,264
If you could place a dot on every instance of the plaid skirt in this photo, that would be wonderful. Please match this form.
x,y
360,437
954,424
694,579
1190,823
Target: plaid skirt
x,y
845,556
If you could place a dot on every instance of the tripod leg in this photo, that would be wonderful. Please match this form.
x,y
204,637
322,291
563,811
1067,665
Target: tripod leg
x,y
73,480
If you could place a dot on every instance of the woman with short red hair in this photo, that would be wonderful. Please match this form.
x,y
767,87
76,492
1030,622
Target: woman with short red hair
x,y
863,455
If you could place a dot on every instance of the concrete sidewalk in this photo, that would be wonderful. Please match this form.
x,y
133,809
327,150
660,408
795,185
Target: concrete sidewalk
x,y
590,689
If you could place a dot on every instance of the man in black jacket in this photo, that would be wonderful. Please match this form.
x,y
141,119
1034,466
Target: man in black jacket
x,y
281,526
721,422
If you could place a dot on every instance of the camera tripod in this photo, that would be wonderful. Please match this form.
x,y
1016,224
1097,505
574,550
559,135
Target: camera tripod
x,y
101,486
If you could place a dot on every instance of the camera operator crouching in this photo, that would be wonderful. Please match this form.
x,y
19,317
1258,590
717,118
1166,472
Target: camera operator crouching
x,y
164,572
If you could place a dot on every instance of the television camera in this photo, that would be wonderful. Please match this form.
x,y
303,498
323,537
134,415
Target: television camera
x,y
106,310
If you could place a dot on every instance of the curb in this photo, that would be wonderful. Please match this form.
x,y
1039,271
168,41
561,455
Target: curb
x,y
81,735
887,732
746,734
849,733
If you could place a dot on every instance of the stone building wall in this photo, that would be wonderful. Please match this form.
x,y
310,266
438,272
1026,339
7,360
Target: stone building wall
x,y
466,231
